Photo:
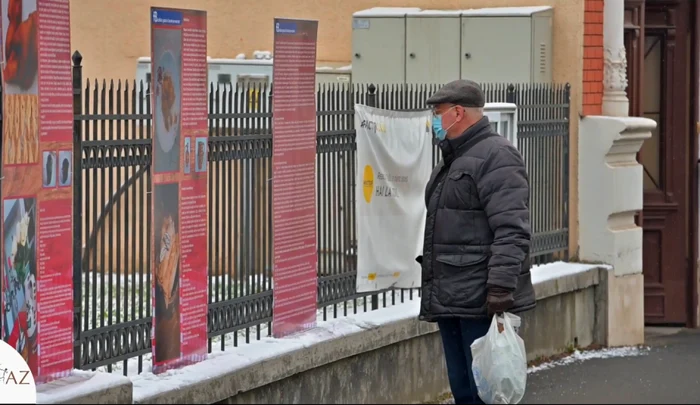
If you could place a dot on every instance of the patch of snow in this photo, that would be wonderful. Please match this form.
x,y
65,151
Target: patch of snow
x,y
549,271
148,384
436,13
578,357
473,12
345,68
240,56
262,55
79,383
239,62
386,12
504,11
495,106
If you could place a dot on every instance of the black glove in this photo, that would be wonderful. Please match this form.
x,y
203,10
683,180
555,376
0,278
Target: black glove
x,y
499,300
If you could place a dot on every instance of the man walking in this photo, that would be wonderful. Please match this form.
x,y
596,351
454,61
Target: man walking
x,y
475,260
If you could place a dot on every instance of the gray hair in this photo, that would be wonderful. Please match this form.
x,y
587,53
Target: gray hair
x,y
479,111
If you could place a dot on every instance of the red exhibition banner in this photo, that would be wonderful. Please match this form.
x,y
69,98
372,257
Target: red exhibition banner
x,y
37,186
294,176
179,240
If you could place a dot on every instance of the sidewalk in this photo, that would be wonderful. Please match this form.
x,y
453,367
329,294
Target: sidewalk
x,y
668,373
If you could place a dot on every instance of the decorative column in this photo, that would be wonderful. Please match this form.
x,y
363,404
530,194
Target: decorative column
x,y
615,102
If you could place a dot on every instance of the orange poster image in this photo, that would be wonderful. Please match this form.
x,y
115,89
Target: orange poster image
x,y
20,28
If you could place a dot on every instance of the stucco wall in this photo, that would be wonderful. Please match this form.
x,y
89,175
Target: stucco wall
x,y
113,34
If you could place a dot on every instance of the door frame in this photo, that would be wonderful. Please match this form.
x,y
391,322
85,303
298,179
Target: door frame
x,y
635,23
694,157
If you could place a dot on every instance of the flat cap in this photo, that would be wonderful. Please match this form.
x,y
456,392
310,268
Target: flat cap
x,y
461,92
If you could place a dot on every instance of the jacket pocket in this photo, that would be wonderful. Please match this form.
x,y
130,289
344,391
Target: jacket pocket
x,y
462,279
460,190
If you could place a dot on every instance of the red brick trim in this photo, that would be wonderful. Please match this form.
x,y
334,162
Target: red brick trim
x,y
593,57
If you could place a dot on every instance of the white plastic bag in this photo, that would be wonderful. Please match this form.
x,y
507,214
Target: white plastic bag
x,y
500,362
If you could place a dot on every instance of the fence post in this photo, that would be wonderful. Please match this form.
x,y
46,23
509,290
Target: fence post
x,y
511,95
565,180
371,96
372,102
77,203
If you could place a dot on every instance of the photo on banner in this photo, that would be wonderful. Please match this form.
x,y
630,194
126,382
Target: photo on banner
x,y
179,239
37,204
394,162
295,255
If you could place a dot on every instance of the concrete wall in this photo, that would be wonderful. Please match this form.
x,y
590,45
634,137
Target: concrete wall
x,y
369,378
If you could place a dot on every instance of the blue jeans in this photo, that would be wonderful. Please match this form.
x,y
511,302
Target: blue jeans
x,y
457,337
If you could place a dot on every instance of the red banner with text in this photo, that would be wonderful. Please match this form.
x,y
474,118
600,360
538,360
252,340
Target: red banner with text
x,y
294,176
37,186
179,240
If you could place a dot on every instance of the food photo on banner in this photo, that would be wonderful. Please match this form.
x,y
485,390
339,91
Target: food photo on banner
x,y
167,52
167,266
19,287
20,74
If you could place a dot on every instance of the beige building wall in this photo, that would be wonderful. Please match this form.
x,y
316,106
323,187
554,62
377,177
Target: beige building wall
x,y
113,34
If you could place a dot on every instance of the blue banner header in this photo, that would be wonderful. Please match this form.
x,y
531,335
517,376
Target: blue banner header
x,y
166,17
285,27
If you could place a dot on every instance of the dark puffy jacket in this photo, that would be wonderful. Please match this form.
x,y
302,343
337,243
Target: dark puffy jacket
x,y
477,232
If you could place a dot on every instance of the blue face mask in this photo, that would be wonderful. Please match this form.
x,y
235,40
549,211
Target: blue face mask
x,y
440,132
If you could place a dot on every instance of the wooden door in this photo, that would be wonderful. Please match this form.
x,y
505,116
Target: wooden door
x,y
663,94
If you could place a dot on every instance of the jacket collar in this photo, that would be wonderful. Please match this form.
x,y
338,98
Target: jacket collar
x,y
449,147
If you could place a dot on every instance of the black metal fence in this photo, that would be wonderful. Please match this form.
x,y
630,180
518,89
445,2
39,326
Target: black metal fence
x,y
112,274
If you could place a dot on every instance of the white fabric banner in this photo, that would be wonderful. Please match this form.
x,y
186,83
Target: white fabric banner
x,y
394,162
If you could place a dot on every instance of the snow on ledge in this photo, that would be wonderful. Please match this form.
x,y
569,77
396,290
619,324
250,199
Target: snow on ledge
x,y
556,270
147,385
79,384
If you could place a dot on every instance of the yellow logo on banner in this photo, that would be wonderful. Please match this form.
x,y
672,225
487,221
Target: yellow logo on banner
x,y
368,183
372,276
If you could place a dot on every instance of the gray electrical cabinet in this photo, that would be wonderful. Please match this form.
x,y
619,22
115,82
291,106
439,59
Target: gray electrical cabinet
x,y
432,46
508,44
410,45
379,45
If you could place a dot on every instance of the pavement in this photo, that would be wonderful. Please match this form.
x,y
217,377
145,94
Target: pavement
x,y
668,373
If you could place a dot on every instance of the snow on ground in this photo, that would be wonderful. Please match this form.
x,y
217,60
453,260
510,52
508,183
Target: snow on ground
x,y
579,356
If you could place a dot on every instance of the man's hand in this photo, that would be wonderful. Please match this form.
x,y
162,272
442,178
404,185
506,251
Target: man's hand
x,y
499,300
